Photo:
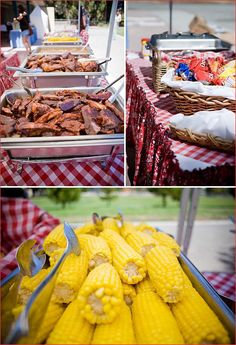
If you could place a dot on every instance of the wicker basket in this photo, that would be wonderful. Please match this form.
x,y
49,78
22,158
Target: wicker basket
x,y
206,140
189,103
159,68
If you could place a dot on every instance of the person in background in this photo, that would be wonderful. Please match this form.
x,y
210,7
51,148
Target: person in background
x,y
84,25
23,19
118,19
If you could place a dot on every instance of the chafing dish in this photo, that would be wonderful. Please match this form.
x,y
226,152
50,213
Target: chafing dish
x,y
83,146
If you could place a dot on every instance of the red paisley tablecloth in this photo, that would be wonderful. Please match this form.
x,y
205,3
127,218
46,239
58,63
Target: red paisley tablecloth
x,y
156,163
5,83
106,172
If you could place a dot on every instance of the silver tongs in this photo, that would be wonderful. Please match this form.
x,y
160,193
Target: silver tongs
x,y
34,311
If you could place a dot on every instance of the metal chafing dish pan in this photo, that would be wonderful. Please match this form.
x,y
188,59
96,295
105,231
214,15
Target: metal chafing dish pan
x,y
61,49
208,294
83,146
187,41
60,79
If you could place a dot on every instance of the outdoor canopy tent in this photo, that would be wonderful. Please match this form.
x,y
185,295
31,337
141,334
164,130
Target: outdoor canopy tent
x,y
39,19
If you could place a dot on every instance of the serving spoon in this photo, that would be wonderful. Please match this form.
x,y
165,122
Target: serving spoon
x,y
29,264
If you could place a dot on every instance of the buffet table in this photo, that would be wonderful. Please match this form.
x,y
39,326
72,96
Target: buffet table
x,y
160,160
72,172
16,38
5,83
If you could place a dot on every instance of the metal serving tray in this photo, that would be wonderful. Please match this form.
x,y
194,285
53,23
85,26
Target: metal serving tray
x,y
210,295
60,79
83,146
187,41
61,49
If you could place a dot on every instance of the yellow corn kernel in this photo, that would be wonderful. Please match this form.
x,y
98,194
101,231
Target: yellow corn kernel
x,y
145,286
120,331
140,242
167,241
55,240
96,248
70,278
129,293
153,321
197,322
165,273
111,224
29,284
147,229
72,328
52,315
129,264
101,289
17,310
127,228
88,228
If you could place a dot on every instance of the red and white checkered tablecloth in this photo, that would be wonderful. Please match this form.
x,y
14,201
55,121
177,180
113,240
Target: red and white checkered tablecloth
x,y
106,172
147,109
21,220
5,83
223,283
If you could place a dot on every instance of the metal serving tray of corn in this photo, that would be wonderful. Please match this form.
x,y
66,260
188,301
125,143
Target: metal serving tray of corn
x,y
130,285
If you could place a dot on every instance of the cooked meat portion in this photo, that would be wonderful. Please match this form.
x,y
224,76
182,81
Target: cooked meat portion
x,y
69,104
108,120
65,112
49,116
6,120
7,111
73,126
61,63
90,124
96,105
118,113
101,96
36,129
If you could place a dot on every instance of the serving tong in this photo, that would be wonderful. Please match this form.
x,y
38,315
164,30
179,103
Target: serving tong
x,y
29,261
28,321
10,101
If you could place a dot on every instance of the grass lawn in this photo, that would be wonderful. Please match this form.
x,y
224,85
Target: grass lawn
x,y
136,207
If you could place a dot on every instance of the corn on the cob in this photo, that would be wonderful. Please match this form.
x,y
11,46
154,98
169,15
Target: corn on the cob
x,y
111,224
129,293
55,240
101,294
127,228
147,229
17,310
140,242
153,321
165,273
145,286
70,278
29,284
129,264
72,328
197,322
96,248
52,315
88,228
120,331
167,241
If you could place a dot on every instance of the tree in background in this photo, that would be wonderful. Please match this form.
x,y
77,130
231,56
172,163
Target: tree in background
x,y
64,9
96,11
174,193
63,196
107,194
